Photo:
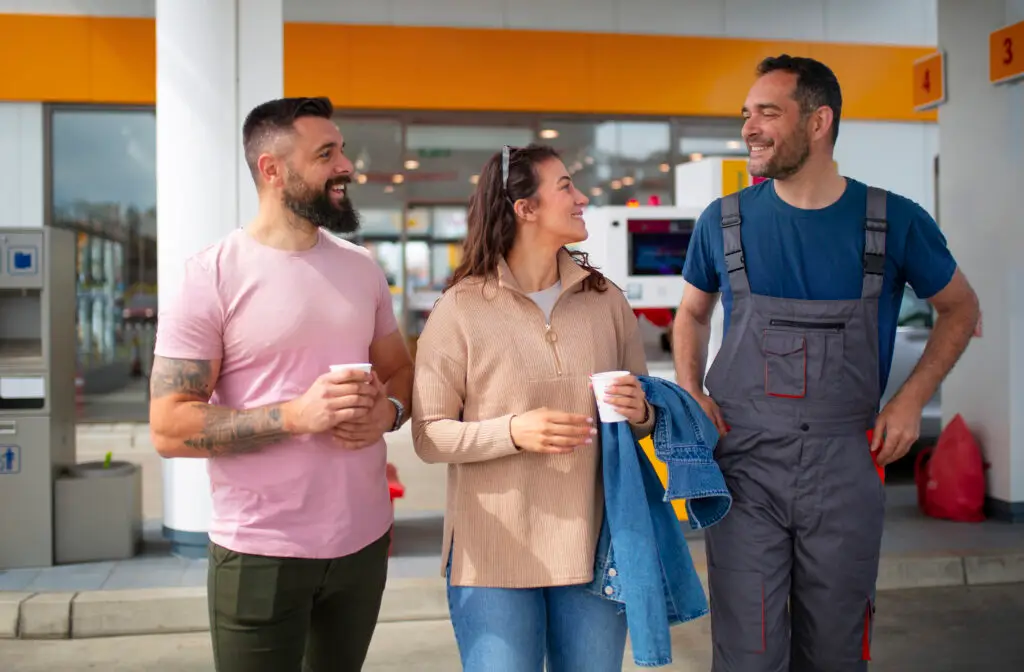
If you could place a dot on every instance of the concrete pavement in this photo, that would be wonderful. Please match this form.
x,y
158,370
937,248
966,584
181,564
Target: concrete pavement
x,y
423,646
105,613
960,629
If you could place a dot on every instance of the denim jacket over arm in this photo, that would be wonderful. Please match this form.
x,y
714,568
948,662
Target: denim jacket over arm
x,y
643,561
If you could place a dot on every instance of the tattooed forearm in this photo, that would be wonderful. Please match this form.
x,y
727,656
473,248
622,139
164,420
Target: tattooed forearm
x,y
193,378
227,431
184,424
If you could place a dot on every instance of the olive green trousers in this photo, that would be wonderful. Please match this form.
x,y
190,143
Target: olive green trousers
x,y
293,614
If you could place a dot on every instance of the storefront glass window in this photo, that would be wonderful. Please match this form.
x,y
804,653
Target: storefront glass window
x,y
613,162
103,185
375,148
700,138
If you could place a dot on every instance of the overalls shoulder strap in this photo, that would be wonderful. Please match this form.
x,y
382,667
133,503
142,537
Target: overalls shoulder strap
x,y
875,228
735,262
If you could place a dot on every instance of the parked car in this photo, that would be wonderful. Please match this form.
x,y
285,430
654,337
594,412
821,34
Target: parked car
x,y
912,331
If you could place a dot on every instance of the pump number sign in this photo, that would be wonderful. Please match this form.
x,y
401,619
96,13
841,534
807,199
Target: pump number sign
x,y
1006,54
929,81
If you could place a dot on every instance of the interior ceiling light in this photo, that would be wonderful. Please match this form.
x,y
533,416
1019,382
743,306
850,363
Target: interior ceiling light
x,y
362,160
629,181
398,178
473,179
361,178
412,164
549,134
664,167
733,144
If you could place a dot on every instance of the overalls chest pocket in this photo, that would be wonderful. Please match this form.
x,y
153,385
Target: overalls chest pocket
x,y
803,359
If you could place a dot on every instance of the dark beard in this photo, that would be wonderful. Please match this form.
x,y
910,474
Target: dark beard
x,y
318,209
791,160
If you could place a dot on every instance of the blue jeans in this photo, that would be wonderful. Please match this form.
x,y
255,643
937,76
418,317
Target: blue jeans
x,y
512,630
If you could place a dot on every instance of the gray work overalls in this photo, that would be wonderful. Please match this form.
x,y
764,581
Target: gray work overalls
x,y
792,568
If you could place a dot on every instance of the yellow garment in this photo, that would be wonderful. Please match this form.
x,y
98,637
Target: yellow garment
x,y
679,505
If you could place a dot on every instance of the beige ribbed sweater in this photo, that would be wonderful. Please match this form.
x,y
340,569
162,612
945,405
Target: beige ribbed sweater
x,y
517,519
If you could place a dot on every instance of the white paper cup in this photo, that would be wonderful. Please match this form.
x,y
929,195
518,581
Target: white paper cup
x,y
605,411
365,368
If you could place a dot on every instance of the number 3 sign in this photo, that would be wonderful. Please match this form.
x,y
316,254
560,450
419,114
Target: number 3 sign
x,y
1006,54
929,81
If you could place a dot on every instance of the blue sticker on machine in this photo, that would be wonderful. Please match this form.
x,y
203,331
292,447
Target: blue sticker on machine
x,y
10,460
22,260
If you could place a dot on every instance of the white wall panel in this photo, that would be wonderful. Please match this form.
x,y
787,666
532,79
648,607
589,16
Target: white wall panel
x,y
911,22
127,8
577,15
456,13
980,186
21,170
340,11
775,20
895,156
672,17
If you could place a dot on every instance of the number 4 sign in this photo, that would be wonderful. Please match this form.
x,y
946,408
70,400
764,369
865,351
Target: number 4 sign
x,y
1006,54
929,81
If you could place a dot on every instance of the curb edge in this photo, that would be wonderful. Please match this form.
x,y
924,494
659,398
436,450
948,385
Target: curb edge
x,y
114,613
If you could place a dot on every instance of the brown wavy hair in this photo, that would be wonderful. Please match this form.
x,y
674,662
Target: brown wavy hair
x,y
491,221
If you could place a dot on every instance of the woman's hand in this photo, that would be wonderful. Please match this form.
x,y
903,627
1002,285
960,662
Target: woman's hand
x,y
627,397
546,431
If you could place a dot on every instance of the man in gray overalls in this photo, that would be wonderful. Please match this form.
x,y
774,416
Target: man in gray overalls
x,y
811,267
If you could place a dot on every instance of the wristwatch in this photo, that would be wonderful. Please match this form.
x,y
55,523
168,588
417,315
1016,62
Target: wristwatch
x,y
399,414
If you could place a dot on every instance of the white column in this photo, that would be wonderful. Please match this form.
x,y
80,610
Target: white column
x,y
216,59
982,139
261,78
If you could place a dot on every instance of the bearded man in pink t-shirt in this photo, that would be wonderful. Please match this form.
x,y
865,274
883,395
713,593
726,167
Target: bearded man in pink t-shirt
x,y
242,375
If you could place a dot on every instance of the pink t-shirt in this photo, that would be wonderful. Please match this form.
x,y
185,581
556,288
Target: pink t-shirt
x,y
278,320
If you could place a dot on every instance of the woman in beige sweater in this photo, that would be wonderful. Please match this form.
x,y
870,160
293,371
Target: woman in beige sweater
x,y
502,396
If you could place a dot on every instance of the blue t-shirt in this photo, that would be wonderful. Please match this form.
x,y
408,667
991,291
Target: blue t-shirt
x,y
818,254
